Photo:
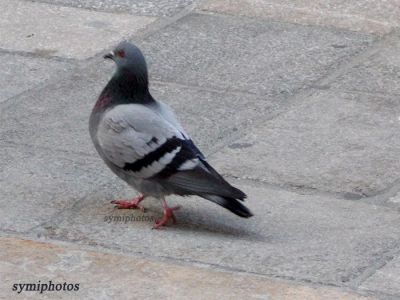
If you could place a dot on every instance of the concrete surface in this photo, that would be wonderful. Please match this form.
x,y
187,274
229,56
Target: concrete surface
x,y
31,181
161,8
296,102
386,279
309,238
378,17
379,73
126,277
247,55
62,31
22,73
340,142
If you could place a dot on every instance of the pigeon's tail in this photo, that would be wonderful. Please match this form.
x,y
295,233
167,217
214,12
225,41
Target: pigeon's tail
x,y
231,204
205,182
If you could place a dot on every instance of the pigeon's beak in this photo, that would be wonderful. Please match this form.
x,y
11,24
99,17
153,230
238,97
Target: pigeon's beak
x,y
109,55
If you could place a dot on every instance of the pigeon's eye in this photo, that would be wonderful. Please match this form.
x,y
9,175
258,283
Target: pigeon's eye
x,y
121,53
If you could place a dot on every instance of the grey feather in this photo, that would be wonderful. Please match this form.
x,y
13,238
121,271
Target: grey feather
x,y
200,181
125,134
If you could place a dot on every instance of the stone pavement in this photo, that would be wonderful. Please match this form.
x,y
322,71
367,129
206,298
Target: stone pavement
x,y
296,103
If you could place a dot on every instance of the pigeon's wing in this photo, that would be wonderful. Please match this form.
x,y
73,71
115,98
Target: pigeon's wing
x,y
193,178
167,113
142,143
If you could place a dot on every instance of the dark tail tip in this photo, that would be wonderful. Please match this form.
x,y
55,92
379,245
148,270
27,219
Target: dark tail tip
x,y
239,209
238,194
231,204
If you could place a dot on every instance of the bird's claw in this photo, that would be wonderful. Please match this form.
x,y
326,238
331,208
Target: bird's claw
x,y
129,204
168,215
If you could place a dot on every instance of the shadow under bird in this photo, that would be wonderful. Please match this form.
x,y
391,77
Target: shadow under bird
x,y
141,141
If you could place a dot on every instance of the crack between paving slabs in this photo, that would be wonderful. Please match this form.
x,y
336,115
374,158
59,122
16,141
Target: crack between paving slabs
x,y
379,264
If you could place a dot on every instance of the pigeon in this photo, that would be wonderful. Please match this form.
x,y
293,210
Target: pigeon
x,y
141,140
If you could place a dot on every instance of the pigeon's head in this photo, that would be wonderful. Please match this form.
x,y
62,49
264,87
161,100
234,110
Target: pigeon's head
x,y
128,57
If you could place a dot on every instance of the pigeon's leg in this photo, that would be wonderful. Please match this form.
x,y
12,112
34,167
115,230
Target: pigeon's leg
x,y
168,214
134,203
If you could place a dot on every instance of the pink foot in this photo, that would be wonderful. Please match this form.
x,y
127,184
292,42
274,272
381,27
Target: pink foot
x,y
130,204
168,215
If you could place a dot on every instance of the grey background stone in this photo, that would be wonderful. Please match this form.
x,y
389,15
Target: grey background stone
x,y
61,263
340,142
314,238
57,116
386,279
63,31
380,73
21,73
38,183
378,17
139,7
252,56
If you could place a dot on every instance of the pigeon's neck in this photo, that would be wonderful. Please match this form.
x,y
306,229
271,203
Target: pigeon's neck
x,y
125,87
130,84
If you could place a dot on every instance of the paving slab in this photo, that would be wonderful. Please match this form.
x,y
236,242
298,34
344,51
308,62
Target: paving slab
x,y
386,279
301,237
57,115
36,184
138,7
340,142
36,118
20,73
242,54
63,31
377,17
380,73
110,276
